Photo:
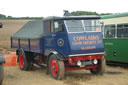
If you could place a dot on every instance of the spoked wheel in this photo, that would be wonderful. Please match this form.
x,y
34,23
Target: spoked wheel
x,y
56,68
100,68
1,73
24,64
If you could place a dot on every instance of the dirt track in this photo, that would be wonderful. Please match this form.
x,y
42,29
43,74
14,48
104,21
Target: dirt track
x,y
112,76
14,76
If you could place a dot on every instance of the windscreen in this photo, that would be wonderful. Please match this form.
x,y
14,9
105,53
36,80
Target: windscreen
x,y
74,25
92,25
83,25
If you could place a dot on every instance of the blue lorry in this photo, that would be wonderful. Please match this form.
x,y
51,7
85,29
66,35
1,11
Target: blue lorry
x,y
62,43
2,60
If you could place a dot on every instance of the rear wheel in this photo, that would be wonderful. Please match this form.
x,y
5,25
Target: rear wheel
x,y
56,68
100,68
1,73
24,63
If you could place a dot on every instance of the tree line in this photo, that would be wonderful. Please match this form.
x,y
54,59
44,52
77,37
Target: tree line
x,y
2,16
81,13
74,13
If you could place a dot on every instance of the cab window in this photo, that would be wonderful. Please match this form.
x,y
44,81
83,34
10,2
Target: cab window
x,y
59,27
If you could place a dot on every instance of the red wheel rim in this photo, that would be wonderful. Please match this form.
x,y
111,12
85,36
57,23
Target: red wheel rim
x,y
54,67
95,69
21,61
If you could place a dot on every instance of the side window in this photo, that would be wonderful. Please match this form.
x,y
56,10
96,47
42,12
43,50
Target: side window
x,y
46,27
59,26
50,26
109,31
122,30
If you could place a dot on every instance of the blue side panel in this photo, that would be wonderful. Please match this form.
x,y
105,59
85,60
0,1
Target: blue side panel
x,y
42,45
24,44
62,44
49,44
14,43
35,45
84,43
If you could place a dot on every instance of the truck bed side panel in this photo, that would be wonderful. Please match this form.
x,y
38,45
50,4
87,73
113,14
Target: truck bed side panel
x,y
15,43
32,45
24,44
36,45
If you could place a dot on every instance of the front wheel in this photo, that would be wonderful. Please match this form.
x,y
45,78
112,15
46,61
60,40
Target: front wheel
x,y
56,68
1,73
100,68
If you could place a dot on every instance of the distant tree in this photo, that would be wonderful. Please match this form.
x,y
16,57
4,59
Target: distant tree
x,y
105,13
2,16
9,17
80,13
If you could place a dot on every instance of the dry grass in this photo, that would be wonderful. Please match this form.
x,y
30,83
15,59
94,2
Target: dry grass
x,y
14,76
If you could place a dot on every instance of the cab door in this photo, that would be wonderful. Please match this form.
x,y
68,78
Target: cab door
x,y
60,37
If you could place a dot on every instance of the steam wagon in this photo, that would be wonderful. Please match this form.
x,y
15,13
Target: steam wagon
x,y
62,43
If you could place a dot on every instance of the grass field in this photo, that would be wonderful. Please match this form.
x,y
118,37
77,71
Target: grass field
x,y
37,76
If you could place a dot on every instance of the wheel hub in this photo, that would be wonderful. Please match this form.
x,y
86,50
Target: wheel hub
x,y
53,67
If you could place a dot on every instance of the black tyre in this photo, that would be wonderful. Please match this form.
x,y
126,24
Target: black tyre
x,y
1,73
24,63
56,68
100,69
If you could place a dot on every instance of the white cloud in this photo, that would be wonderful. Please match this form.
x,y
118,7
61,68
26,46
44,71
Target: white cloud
x,y
45,8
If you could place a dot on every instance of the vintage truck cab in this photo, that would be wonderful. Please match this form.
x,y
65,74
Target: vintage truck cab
x,y
63,43
2,60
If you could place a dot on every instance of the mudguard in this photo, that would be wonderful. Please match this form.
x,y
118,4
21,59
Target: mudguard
x,y
58,55
2,60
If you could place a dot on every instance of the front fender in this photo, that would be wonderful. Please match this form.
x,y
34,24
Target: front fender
x,y
58,55
2,60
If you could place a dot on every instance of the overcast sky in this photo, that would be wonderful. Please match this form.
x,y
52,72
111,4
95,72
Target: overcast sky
x,y
39,8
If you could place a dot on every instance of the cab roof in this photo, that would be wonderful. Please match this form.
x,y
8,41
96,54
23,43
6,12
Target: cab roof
x,y
34,29
71,18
